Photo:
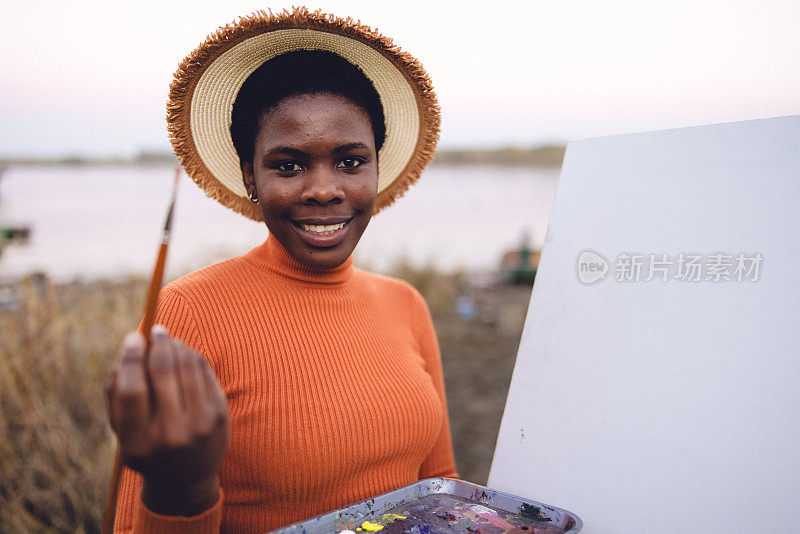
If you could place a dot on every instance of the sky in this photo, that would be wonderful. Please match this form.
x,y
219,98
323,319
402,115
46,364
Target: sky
x,y
90,78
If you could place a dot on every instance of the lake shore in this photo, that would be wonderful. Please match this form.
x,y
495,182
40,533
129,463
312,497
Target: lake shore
x,y
538,156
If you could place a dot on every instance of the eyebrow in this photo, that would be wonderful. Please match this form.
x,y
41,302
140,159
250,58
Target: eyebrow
x,y
286,150
296,152
347,147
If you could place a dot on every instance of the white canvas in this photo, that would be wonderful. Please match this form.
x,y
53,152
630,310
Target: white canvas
x,y
665,406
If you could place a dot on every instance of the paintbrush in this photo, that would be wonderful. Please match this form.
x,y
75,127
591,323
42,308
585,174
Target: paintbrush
x,y
147,325
158,269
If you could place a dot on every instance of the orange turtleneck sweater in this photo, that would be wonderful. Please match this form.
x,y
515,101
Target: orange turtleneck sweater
x,y
334,384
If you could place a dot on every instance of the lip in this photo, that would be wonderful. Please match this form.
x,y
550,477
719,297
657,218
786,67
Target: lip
x,y
321,241
322,221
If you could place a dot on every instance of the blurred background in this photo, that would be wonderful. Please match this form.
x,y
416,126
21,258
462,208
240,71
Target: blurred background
x,y
86,171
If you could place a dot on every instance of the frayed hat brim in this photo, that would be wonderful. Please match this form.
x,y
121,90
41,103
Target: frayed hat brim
x,y
207,81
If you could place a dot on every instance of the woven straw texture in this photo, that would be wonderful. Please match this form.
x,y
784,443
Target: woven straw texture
x,y
207,81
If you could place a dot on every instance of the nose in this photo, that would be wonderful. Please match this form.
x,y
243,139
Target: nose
x,y
322,187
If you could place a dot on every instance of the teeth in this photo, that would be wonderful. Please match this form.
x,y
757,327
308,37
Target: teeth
x,y
322,230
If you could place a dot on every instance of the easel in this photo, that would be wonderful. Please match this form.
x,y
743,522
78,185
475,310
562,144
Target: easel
x,y
648,396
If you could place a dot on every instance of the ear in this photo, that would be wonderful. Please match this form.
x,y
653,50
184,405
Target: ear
x,y
248,177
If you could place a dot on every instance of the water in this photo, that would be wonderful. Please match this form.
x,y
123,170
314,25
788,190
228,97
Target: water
x,y
90,222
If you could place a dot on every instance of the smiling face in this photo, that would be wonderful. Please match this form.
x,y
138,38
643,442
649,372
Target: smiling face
x,y
315,172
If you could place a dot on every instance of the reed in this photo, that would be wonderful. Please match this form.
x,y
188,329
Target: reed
x,y
56,448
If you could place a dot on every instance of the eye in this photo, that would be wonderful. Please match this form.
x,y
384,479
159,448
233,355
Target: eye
x,y
288,167
349,163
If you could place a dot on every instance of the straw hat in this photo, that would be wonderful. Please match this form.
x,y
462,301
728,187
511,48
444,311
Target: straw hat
x,y
207,81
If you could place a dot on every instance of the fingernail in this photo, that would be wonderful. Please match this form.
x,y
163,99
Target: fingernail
x,y
132,340
159,330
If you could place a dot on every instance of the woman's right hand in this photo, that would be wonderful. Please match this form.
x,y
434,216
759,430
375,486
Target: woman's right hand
x,y
171,418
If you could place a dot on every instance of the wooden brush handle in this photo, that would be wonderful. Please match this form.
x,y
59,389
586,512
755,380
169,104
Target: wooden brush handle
x,y
152,294
147,325
111,500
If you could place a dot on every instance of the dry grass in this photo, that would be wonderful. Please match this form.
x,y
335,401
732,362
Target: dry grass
x,y
56,449
478,357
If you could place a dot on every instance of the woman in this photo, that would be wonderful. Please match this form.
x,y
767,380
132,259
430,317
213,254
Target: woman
x,y
285,383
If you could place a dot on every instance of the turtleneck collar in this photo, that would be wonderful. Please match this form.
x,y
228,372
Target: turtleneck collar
x,y
272,257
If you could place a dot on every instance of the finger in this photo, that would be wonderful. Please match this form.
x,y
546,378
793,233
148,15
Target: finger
x,y
128,395
215,391
193,388
111,386
169,422
215,395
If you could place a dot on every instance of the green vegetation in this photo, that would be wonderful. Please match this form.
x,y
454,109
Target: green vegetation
x,y
544,156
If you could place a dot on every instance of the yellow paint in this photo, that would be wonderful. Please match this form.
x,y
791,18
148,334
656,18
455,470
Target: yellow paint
x,y
371,527
392,517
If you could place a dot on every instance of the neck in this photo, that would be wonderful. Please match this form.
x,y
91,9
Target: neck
x,y
273,257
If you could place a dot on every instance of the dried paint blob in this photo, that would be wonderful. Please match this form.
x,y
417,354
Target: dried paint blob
x,y
369,526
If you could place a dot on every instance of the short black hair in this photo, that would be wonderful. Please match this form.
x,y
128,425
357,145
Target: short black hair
x,y
300,72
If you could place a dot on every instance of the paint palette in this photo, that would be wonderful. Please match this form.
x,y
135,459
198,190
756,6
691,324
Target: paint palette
x,y
442,506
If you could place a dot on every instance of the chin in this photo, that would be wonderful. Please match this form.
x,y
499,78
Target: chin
x,y
326,258
326,251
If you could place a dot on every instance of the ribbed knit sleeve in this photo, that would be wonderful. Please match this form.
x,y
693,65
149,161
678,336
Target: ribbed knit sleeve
x,y
152,523
132,516
440,462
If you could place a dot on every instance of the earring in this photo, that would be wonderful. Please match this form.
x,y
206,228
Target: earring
x,y
253,198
